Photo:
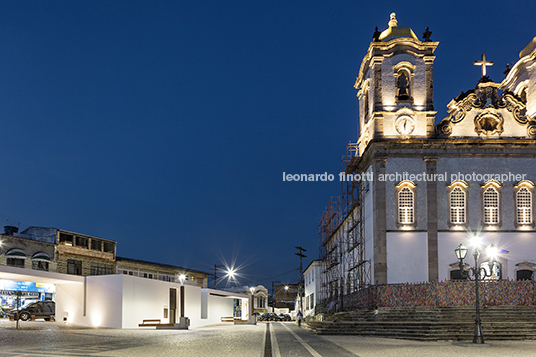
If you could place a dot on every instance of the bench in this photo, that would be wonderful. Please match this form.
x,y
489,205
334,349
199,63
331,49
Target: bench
x,y
227,319
153,323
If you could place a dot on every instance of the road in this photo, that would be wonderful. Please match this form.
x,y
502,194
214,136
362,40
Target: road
x,y
275,339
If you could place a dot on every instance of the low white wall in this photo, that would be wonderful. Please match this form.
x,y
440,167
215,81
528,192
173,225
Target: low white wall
x,y
70,303
104,300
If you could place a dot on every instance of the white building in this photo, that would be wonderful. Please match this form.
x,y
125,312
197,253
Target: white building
x,y
124,301
312,279
417,189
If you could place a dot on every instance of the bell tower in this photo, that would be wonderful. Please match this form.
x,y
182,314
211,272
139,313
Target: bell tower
x,y
394,86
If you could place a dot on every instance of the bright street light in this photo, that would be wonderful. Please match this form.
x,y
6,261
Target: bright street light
x,y
182,278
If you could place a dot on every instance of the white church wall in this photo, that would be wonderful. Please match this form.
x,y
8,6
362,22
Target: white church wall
x,y
407,257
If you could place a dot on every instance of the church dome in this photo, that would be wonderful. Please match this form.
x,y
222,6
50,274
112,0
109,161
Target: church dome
x,y
396,32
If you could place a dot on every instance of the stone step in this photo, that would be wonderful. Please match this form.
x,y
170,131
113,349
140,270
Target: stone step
x,y
428,330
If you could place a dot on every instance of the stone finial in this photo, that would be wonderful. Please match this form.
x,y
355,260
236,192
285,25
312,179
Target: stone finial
x,y
392,21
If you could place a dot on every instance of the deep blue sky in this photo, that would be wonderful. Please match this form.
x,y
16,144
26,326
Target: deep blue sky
x,y
166,125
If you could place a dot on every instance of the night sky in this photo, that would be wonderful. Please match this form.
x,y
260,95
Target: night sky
x,y
167,125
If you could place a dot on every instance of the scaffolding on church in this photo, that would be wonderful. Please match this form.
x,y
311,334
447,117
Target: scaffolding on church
x,y
341,234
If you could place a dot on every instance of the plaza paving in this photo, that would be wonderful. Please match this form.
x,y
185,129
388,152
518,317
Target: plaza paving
x,y
41,338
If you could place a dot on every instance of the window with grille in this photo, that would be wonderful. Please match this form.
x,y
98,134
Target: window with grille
x,y
101,269
405,206
491,206
457,206
524,206
74,267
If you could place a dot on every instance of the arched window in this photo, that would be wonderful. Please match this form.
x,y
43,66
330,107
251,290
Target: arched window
x,y
455,273
15,257
457,206
366,109
525,270
457,199
403,73
491,199
40,261
524,275
523,197
491,206
406,203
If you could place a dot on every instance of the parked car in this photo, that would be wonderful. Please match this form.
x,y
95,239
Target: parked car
x,y
285,317
269,316
39,309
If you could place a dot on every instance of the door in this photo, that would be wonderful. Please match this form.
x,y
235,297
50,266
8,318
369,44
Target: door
x,y
172,305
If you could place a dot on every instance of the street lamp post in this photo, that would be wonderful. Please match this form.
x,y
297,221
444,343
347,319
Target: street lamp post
x,y
475,274
252,318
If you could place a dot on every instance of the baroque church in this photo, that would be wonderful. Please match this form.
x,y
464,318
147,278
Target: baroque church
x,y
416,190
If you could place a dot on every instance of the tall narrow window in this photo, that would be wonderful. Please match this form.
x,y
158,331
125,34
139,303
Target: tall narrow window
x,y
491,206
524,202
366,105
524,206
491,200
457,200
406,203
457,206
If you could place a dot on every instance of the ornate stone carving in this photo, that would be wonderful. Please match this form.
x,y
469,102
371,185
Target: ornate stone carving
x,y
516,107
531,130
489,123
446,129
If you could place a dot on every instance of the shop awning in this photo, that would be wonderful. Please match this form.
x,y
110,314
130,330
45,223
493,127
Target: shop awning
x,y
41,257
16,253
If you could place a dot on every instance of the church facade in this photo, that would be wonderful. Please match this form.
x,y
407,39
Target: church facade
x,y
415,189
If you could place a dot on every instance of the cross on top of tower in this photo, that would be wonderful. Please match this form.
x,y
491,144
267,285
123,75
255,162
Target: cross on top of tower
x,y
483,63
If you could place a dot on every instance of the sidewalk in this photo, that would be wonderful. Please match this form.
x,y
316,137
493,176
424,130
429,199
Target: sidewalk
x,y
385,347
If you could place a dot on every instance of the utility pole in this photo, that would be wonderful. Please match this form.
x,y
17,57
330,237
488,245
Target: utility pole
x,y
274,295
300,287
216,276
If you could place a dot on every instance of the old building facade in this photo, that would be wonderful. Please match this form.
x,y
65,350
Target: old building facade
x,y
415,190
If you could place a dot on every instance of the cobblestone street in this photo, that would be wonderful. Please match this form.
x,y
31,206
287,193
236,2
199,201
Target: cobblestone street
x,y
275,339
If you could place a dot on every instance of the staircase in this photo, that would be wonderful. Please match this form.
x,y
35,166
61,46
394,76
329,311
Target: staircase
x,y
433,323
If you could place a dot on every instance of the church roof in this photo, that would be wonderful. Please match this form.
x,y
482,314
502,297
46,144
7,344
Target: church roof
x,y
396,32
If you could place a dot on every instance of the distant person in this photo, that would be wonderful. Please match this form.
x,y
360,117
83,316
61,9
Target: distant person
x,y
300,317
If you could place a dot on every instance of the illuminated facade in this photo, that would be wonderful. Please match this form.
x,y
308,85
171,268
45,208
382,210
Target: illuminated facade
x,y
422,187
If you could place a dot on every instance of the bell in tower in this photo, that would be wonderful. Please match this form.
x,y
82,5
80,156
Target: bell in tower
x,y
394,85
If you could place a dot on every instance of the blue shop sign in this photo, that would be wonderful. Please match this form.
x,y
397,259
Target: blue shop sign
x,y
26,286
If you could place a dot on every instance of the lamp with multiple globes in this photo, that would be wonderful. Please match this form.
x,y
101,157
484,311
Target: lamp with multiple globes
x,y
477,274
